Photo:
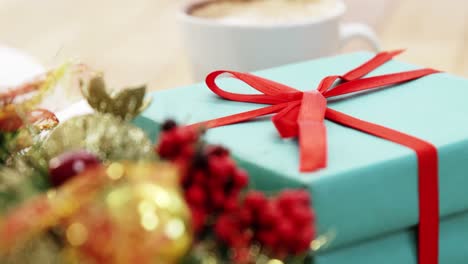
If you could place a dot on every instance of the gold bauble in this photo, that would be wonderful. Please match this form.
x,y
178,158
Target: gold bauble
x,y
142,218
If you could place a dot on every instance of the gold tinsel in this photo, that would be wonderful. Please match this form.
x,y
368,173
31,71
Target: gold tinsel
x,y
102,134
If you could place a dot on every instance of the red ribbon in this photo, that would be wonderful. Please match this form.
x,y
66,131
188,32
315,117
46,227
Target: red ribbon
x,y
41,118
10,121
301,114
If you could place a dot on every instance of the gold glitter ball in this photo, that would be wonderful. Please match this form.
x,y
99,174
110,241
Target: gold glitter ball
x,y
275,261
145,208
77,234
115,171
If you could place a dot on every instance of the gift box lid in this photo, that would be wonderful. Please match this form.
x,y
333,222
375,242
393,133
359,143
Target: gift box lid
x,y
370,185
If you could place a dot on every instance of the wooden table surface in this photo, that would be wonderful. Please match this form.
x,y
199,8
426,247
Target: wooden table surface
x,y
138,41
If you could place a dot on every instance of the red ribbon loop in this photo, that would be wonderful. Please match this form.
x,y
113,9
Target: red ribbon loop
x,y
301,114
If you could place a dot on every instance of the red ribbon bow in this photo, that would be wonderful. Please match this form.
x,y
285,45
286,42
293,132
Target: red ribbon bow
x,y
301,114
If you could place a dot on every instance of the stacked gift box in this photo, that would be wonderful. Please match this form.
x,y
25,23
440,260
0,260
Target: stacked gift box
x,y
367,196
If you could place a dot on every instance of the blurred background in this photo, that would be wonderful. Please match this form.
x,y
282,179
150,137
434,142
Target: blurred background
x,y
135,41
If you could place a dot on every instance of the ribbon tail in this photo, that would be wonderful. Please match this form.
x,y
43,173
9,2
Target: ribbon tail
x,y
313,146
428,178
378,60
378,82
312,132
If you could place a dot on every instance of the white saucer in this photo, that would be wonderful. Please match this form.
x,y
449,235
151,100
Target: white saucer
x,y
16,67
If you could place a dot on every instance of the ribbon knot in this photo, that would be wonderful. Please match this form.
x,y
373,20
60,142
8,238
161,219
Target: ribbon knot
x,y
302,114
304,118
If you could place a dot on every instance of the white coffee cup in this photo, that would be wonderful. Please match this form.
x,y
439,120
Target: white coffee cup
x,y
213,45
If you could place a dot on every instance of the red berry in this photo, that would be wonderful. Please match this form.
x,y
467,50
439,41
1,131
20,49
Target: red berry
x,y
187,152
285,230
267,238
221,167
167,147
67,165
195,195
255,200
214,184
186,135
226,228
302,215
168,125
240,239
218,198
233,192
231,204
199,177
185,180
304,239
245,216
269,215
241,178
219,151
177,143
286,200
198,219
303,197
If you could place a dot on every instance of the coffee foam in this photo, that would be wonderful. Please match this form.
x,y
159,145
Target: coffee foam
x,y
264,11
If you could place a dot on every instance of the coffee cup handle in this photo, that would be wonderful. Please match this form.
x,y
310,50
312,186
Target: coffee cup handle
x,y
350,31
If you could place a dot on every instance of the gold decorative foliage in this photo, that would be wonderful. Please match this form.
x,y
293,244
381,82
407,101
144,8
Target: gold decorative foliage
x,y
125,104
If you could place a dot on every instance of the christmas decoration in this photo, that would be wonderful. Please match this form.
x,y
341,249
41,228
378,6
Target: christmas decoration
x,y
93,189
125,104
177,143
205,169
104,135
19,115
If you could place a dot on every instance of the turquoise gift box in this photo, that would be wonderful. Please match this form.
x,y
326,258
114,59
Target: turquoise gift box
x,y
369,191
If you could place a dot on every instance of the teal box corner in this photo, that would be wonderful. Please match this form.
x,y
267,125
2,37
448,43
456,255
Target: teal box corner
x,y
369,187
400,247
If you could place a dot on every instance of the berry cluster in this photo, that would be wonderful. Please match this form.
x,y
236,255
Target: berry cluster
x,y
210,178
212,184
282,225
